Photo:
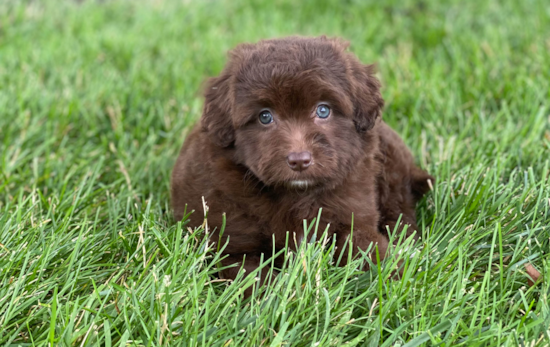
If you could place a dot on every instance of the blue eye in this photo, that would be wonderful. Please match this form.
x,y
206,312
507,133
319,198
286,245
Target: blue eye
x,y
266,117
323,111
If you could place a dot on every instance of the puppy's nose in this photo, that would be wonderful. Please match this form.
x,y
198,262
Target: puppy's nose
x,y
299,161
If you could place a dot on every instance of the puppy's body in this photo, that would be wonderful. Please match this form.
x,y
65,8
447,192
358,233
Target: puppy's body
x,y
355,163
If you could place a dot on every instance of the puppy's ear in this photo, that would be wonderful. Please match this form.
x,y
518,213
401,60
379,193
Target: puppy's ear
x,y
368,102
216,115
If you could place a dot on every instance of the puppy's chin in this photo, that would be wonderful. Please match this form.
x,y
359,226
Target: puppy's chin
x,y
299,184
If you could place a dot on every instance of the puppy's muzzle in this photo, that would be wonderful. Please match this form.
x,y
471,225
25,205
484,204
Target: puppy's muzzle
x,y
299,161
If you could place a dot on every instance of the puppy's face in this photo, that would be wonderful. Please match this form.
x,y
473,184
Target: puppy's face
x,y
293,129
295,110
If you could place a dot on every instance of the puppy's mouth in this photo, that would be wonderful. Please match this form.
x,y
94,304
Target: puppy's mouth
x,y
299,184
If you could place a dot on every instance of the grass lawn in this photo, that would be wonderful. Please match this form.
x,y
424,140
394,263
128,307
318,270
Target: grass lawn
x,y
97,97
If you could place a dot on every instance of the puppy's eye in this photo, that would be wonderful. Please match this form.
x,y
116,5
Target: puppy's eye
x,y
266,117
323,111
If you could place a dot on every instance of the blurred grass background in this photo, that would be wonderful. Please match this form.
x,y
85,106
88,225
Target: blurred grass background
x,y
96,98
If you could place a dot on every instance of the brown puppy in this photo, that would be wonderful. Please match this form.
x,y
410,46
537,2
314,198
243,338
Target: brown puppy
x,y
292,125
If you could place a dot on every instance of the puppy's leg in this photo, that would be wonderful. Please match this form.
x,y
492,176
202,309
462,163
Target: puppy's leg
x,y
362,240
399,193
251,263
395,225
421,182
400,184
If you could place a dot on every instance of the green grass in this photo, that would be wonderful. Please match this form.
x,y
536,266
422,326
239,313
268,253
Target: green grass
x,y
95,102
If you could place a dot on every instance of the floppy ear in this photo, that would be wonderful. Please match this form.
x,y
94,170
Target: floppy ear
x,y
368,102
216,115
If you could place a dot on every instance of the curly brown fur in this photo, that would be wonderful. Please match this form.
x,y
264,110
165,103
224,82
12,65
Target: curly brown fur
x,y
357,163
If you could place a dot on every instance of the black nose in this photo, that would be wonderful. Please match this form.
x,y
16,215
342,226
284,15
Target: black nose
x,y
299,161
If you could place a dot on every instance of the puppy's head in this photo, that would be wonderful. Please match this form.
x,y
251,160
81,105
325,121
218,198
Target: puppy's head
x,y
295,110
